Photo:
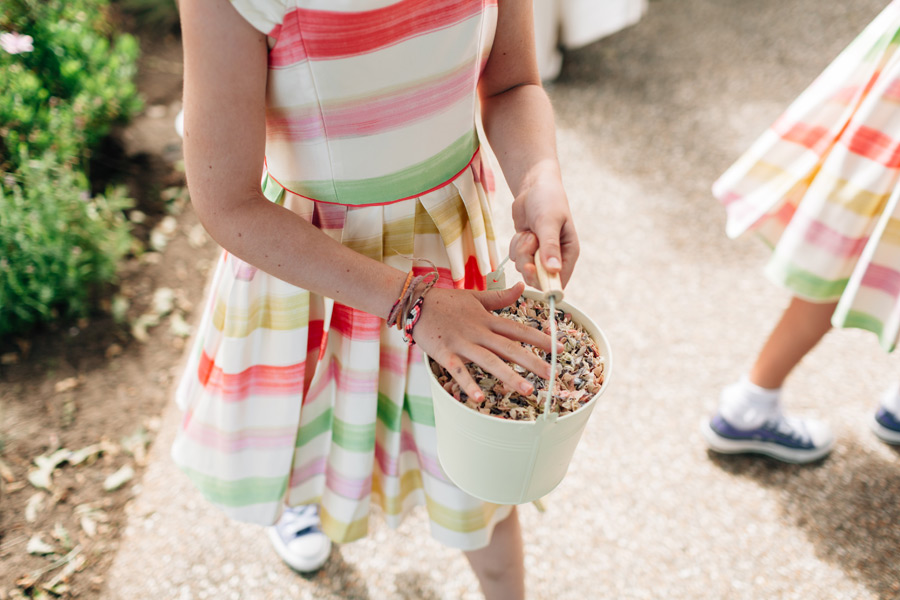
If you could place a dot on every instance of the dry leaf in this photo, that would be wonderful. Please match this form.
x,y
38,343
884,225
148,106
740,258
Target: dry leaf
x,y
42,476
61,535
67,385
33,506
38,546
79,456
6,473
89,526
178,326
118,479
9,358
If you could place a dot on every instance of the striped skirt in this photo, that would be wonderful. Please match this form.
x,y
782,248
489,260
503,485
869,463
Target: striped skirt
x,y
820,186
363,435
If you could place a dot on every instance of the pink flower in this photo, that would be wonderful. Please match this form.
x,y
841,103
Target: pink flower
x,y
15,43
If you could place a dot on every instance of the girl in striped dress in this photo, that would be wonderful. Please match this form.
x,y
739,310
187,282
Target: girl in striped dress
x,y
821,188
359,117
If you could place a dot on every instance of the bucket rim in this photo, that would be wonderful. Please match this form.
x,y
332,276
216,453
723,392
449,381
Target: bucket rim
x,y
588,406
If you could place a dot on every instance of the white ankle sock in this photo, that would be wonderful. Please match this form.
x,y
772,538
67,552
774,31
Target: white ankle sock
x,y
745,405
891,400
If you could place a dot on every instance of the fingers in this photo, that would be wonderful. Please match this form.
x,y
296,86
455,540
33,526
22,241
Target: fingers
x,y
461,375
520,332
497,299
548,232
491,363
570,251
521,250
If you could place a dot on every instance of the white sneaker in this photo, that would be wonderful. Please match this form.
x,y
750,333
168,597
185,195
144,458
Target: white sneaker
x,y
298,540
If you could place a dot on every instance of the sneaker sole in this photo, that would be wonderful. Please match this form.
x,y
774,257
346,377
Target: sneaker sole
x,y
724,445
312,564
888,436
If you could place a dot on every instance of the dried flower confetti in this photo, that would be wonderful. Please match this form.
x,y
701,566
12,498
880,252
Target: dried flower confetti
x,y
580,370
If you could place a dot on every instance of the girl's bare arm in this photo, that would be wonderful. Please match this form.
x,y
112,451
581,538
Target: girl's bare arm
x,y
518,121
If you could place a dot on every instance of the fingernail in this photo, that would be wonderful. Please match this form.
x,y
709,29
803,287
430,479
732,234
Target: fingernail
x,y
526,388
553,263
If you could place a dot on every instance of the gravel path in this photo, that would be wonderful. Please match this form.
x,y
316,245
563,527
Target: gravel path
x,y
647,119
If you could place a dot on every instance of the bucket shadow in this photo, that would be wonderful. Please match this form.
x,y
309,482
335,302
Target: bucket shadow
x,y
848,505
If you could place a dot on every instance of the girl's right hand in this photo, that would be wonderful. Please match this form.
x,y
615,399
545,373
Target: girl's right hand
x,y
456,327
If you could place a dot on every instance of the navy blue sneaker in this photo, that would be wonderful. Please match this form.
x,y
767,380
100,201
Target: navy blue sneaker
x,y
787,439
885,424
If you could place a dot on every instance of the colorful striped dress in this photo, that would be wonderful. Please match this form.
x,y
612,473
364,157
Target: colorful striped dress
x,y
371,136
820,186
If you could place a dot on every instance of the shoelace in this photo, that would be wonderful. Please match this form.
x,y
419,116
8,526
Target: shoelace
x,y
792,428
297,520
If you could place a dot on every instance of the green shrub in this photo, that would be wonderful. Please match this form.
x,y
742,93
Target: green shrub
x,y
58,245
64,95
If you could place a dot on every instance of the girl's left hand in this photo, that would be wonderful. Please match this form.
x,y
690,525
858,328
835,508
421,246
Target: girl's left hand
x,y
543,220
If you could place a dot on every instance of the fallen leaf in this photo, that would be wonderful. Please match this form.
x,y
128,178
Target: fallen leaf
x,y
136,445
9,358
38,546
79,456
163,301
178,326
118,479
42,476
33,506
119,308
89,526
66,385
141,324
6,472
61,535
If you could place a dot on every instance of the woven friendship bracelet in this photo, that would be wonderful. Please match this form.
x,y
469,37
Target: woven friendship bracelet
x,y
406,310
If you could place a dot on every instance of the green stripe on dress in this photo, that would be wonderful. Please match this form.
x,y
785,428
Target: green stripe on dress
x,y
861,320
420,409
356,438
388,412
314,428
805,284
412,181
239,492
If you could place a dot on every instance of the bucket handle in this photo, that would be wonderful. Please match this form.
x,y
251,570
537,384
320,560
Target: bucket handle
x,y
551,286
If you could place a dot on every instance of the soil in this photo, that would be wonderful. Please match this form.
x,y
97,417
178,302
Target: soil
x,y
99,384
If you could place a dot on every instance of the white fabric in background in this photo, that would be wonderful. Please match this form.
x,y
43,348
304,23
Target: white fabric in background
x,y
568,24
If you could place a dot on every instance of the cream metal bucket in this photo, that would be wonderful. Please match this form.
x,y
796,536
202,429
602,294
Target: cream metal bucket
x,y
511,462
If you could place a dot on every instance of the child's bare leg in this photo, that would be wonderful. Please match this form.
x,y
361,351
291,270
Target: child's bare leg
x,y
500,567
800,328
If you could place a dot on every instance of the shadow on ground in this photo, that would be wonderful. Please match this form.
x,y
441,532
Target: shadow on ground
x,y
847,506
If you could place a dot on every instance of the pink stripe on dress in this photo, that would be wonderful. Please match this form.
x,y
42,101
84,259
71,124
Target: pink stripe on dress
x,y
238,441
257,380
327,35
882,278
824,237
373,115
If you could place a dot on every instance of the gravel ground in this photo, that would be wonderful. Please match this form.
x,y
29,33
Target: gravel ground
x,y
647,119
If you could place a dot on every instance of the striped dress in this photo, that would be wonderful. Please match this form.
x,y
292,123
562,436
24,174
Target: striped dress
x,y
820,186
371,136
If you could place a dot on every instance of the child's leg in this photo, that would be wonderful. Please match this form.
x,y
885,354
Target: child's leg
x,y
500,567
750,417
800,328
